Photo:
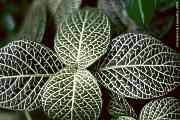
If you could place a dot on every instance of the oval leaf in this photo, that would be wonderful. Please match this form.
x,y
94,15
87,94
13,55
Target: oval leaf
x,y
162,109
24,68
140,66
119,106
34,24
83,38
61,8
72,95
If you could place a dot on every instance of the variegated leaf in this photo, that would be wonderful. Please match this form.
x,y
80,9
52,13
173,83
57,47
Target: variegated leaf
x,y
161,109
119,106
25,67
83,38
61,8
140,66
72,95
34,24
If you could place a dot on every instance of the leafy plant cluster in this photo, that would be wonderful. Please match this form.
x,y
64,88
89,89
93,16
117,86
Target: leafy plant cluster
x,y
65,82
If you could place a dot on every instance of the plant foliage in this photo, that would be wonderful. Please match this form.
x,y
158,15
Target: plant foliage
x,y
134,66
140,66
25,67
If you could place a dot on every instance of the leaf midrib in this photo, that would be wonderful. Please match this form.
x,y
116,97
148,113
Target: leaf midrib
x,y
140,65
73,96
30,75
81,37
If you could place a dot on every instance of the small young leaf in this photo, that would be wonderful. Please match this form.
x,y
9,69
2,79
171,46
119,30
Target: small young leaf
x,y
118,106
61,8
124,118
72,95
25,66
161,109
34,24
141,11
140,66
83,38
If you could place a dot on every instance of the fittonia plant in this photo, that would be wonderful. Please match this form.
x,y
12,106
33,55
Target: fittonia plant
x,y
135,66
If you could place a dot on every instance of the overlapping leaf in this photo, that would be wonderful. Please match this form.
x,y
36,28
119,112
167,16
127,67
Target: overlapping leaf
x,y
25,66
118,106
61,8
140,66
34,24
83,38
72,95
161,109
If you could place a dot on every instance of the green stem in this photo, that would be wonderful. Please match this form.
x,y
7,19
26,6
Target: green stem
x,y
28,116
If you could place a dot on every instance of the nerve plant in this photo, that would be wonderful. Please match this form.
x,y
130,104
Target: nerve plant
x,y
59,82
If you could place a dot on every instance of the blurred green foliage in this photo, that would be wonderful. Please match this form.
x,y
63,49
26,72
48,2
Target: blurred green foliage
x,y
141,11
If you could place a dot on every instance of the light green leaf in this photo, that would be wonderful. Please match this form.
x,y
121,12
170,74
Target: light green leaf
x,y
25,66
34,24
119,106
72,95
140,66
61,8
141,11
161,109
83,38
124,118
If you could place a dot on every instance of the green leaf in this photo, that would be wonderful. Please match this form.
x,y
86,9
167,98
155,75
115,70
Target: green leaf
x,y
161,109
61,8
34,24
72,95
25,67
124,118
83,38
140,66
119,106
141,11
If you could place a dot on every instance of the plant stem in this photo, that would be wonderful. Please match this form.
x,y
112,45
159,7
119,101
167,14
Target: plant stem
x,y
28,116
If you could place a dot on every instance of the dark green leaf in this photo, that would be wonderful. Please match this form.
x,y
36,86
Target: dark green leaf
x,y
140,66
82,38
25,66
72,95
119,106
161,109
